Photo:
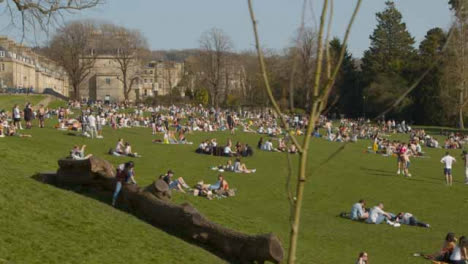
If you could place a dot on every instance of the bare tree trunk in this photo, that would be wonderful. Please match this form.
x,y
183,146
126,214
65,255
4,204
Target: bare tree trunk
x,y
460,110
76,91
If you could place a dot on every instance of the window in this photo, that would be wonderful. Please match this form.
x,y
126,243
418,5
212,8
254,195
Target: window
x,y
108,80
2,53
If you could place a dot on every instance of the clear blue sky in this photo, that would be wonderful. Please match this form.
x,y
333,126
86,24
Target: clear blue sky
x,y
178,24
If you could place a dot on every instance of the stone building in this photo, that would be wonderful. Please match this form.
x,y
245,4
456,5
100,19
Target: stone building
x,y
153,79
20,67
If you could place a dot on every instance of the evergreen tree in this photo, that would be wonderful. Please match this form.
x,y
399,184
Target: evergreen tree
x,y
346,97
388,64
429,106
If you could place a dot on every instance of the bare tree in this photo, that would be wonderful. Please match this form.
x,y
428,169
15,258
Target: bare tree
x,y
42,13
320,93
307,53
215,46
71,48
130,49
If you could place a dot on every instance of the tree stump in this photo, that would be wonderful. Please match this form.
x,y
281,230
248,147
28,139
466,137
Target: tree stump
x,y
153,205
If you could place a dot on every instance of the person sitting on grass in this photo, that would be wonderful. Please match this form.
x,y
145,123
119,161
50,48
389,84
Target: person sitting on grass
x,y
128,151
268,146
78,153
241,168
178,184
409,219
460,254
119,148
228,151
377,215
358,211
362,258
125,174
220,185
446,251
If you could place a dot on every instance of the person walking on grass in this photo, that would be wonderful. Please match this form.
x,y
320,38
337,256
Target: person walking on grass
x,y
448,160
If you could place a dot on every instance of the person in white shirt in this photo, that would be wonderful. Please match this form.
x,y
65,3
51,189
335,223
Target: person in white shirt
x,y
459,254
228,152
377,215
448,160
92,125
268,146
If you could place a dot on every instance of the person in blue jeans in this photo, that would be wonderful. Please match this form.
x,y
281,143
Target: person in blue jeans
x,y
125,174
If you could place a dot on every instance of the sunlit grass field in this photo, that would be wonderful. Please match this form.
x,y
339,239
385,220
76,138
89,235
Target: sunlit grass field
x,y
44,224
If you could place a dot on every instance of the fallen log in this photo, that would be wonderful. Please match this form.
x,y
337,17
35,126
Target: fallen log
x,y
152,204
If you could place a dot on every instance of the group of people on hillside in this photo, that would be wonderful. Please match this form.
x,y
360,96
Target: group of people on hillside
x,y
377,215
10,123
211,147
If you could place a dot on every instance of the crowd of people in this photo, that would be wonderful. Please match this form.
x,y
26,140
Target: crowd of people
x,y
174,123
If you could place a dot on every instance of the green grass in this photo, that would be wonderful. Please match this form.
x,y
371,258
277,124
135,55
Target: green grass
x,y
8,101
44,224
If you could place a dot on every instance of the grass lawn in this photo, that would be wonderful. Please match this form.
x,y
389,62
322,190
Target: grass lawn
x,y
43,224
8,101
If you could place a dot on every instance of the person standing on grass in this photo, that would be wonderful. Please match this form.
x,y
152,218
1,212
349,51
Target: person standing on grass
x,y
16,117
448,160
92,125
28,115
41,115
406,162
125,174
465,158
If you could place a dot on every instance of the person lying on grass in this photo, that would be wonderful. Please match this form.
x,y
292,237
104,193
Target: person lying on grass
x,y
178,184
78,153
409,219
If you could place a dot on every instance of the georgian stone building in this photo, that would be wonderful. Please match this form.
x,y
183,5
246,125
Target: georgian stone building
x,y
20,67
153,79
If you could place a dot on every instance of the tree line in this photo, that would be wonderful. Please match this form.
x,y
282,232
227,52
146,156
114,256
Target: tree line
x,y
218,75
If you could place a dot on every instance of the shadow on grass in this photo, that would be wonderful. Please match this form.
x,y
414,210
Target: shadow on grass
x,y
377,172
106,198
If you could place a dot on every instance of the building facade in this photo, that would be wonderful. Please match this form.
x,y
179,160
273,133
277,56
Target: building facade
x,y
152,79
20,67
